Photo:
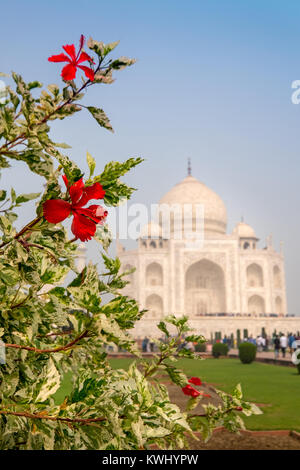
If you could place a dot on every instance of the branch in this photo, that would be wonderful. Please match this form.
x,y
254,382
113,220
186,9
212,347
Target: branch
x,y
82,421
152,369
24,230
162,357
53,350
22,137
203,415
27,247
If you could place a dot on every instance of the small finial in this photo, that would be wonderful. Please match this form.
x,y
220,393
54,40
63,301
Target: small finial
x,y
189,167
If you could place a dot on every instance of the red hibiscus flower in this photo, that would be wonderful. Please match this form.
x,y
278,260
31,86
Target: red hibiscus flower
x,y
195,381
191,391
84,219
74,61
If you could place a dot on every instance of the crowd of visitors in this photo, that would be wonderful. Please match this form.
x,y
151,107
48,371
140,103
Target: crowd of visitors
x,y
280,343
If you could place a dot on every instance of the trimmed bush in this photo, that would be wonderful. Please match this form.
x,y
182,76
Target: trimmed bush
x,y
247,352
200,347
220,349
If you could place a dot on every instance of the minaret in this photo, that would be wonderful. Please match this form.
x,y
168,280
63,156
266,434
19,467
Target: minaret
x,y
189,169
270,242
281,247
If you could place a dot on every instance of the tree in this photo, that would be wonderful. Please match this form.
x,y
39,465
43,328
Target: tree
x,y
49,328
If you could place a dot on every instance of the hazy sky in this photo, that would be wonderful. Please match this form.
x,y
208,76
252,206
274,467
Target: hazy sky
x,y
212,82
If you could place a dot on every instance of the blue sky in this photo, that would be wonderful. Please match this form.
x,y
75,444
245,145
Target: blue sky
x,y
212,82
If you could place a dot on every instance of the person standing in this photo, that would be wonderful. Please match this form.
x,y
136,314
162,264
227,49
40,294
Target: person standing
x,y
276,346
291,339
259,343
145,344
283,344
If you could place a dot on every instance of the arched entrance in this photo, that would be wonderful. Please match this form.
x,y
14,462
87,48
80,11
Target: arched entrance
x,y
255,277
154,275
204,289
277,278
256,305
154,305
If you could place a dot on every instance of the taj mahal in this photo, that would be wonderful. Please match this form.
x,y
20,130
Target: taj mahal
x,y
225,283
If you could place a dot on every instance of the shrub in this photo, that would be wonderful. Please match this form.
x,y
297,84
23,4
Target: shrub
x,y
247,352
220,349
200,347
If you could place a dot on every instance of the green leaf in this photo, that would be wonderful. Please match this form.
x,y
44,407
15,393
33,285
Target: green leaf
x,y
26,197
35,84
110,47
103,235
100,48
115,190
255,409
122,62
100,117
163,327
177,376
6,225
72,171
195,339
192,403
13,195
50,381
91,163
2,194
37,161
62,145
237,392
8,274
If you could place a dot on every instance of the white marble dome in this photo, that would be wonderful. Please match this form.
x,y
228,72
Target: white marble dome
x,y
151,230
244,230
192,191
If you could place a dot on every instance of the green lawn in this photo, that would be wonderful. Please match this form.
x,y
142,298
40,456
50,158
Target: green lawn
x,y
276,386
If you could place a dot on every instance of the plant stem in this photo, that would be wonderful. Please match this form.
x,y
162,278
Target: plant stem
x,y
81,421
46,351
24,230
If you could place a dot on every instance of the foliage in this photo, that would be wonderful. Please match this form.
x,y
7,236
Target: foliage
x,y
52,325
260,383
200,347
247,352
220,349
